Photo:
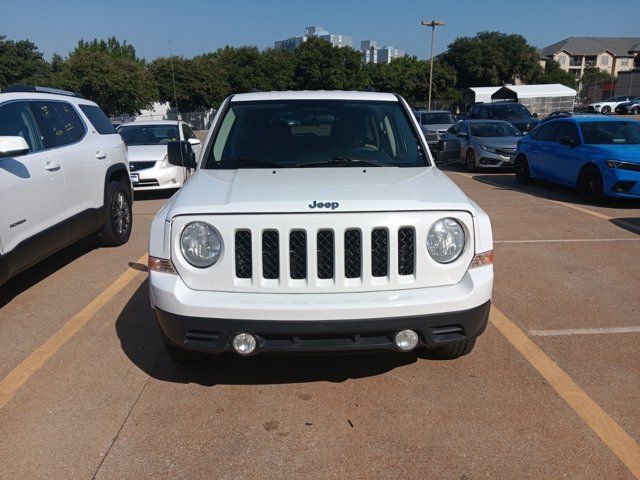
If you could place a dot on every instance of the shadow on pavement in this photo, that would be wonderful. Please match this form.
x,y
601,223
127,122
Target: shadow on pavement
x,y
142,195
41,270
141,342
630,224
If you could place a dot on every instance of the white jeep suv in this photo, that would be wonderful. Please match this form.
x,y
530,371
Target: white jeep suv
x,y
63,175
317,222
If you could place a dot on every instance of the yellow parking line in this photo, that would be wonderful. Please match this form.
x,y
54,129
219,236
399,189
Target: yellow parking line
x,y
612,434
30,365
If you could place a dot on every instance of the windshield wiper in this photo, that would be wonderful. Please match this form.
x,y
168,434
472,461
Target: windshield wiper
x,y
249,162
344,161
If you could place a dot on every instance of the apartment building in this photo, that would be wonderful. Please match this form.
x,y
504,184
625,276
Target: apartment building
x,y
372,54
611,54
337,40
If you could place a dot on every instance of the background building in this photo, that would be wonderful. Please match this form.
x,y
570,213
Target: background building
x,y
611,54
372,54
337,40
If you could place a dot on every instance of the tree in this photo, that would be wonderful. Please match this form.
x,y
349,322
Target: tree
x,y
318,65
592,82
553,73
110,74
409,77
492,59
21,62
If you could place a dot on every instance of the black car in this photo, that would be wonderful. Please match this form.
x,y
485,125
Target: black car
x,y
632,107
566,114
514,113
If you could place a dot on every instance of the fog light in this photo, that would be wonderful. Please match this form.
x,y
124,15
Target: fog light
x,y
244,343
406,340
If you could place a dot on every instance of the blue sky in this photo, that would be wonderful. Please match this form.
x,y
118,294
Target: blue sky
x,y
197,26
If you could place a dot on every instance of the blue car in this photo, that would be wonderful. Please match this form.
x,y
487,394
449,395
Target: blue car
x,y
600,156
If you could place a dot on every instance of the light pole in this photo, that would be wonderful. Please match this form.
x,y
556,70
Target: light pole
x,y
433,24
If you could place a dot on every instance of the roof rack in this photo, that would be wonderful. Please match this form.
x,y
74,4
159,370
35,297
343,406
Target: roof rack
x,y
36,89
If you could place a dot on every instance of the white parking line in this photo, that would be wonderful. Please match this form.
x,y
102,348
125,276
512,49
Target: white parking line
x,y
583,331
571,240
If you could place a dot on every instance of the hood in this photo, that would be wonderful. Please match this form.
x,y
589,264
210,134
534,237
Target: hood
x,y
628,153
139,153
497,142
293,190
436,126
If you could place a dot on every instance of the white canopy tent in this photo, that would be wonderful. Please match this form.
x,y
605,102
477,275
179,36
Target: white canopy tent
x,y
540,99
478,95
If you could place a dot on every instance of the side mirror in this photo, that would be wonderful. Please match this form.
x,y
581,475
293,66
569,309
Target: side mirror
x,y
194,142
568,141
181,154
535,114
13,147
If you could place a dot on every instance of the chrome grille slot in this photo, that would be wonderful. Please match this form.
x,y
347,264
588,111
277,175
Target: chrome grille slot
x,y
406,251
244,267
325,254
298,254
352,253
270,255
379,252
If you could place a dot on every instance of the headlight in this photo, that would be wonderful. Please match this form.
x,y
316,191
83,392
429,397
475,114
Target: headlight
x,y
623,165
445,241
487,149
200,244
165,162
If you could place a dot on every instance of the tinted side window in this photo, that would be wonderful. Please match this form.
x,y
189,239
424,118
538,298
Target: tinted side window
x,y
17,120
568,129
547,132
454,129
59,122
98,119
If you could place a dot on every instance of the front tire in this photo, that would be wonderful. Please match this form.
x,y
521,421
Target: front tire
x,y
590,184
606,110
635,111
471,160
454,350
117,228
523,173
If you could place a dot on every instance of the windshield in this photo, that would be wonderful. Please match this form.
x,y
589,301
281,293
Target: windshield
x,y
511,110
493,129
437,118
308,133
148,134
611,133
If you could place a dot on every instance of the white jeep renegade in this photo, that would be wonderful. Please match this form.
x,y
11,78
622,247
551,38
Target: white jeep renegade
x,y
317,222
63,175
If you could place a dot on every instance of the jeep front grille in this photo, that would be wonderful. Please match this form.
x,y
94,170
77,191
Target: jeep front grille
x,y
323,252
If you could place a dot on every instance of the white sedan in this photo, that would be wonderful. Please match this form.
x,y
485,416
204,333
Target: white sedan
x,y
609,105
147,142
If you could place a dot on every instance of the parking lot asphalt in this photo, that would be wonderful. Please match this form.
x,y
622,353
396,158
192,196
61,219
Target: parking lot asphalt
x,y
551,390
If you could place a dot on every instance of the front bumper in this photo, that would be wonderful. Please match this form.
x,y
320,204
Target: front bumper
x,y
158,178
215,335
621,183
206,321
487,159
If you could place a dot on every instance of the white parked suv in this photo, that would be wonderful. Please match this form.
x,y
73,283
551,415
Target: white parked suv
x,y
63,175
317,222
147,143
